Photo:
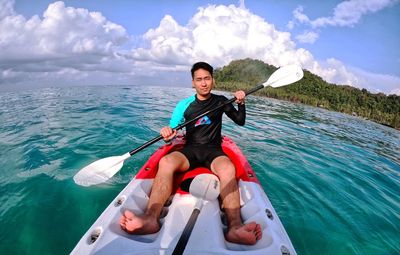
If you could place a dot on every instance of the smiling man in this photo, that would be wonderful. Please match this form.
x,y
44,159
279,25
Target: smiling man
x,y
202,148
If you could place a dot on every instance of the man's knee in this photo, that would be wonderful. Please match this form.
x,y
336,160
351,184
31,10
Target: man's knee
x,y
224,168
172,162
166,160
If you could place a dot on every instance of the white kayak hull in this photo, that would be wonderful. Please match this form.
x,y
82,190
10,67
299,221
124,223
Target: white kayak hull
x,y
106,237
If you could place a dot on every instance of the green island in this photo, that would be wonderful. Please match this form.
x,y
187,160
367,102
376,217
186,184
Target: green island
x,y
311,90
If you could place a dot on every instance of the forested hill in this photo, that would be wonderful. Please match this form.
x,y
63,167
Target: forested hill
x,y
312,90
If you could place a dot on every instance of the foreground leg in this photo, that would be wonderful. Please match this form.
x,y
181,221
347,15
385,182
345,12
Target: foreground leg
x,y
237,232
162,187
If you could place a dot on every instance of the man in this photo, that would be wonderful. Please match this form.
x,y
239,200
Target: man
x,y
202,148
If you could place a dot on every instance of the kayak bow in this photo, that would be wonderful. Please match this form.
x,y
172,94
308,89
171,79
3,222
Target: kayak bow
x,y
105,236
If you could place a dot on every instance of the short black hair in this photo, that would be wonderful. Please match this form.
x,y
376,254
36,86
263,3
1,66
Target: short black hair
x,y
202,65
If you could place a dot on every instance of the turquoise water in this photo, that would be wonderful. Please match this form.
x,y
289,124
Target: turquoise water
x,y
333,179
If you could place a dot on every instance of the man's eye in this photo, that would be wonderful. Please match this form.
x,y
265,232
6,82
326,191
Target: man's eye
x,y
208,78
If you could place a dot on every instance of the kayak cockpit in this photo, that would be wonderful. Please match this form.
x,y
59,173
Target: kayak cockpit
x,y
208,233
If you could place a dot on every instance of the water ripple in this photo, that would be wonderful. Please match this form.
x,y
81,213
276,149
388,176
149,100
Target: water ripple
x,y
333,179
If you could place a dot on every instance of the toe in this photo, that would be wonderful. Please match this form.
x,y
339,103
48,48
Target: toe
x,y
122,220
129,215
122,224
258,235
250,226
258,232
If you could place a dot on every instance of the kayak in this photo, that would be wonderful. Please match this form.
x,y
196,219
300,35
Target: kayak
x,y
105,236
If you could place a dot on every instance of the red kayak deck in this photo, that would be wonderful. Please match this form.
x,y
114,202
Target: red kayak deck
x,y
243,169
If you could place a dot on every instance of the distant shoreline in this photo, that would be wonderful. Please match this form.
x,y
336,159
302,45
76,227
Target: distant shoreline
x,y
312,90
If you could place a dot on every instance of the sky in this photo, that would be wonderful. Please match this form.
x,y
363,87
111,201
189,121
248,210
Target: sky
x,y
122,42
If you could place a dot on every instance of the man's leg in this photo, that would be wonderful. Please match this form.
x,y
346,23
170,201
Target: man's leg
x,y
237,231
160,192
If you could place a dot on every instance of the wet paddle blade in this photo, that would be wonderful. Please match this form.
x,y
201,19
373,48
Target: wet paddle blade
x,y
100,171
285,75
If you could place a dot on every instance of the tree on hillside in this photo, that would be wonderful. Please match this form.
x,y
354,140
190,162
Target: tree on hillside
x,y
311,90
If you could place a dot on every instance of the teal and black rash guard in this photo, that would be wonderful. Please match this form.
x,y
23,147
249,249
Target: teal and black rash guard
x,y
206,130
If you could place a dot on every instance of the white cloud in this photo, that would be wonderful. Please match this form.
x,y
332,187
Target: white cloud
x,y
307,37
64,38
217,34
170,43
349,13
374,82
335,71
346,13
73,45
220,34
395,91
7,8
62,31
300,16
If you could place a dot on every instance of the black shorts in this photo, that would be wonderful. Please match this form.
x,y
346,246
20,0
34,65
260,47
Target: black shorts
x,y
201,155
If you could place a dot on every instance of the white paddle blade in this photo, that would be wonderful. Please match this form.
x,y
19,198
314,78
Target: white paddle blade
x,y
205,186
284,75
100,171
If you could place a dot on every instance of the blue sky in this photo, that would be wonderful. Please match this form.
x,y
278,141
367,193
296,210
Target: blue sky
x,y
50,43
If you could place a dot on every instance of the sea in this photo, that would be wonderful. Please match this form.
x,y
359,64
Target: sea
x,y
333,179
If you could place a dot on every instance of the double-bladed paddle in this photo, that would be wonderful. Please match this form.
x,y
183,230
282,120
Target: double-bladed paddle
x,y
102,170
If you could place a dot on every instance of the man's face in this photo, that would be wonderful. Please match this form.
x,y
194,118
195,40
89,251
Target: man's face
x,y
203,82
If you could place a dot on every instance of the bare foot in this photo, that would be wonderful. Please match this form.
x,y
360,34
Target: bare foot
x,y
140,225
248,233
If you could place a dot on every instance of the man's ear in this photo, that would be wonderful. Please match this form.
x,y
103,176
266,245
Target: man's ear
x,y
193,84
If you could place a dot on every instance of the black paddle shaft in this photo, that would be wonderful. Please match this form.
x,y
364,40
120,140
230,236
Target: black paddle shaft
x,y
187,231
158,138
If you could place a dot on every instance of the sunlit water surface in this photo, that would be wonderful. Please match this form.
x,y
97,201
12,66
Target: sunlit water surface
x,y
333,179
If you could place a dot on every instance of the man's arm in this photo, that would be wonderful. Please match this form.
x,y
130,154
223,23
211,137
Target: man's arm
x,y
177,116
239,115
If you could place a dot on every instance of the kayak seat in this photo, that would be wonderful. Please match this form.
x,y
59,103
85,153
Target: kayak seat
x,y
182,181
